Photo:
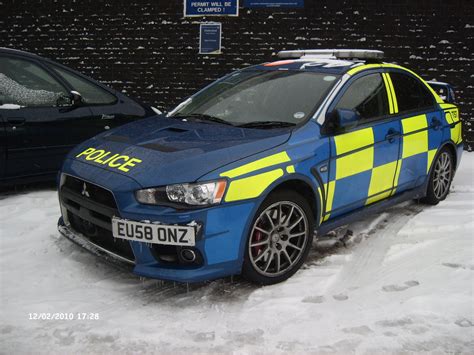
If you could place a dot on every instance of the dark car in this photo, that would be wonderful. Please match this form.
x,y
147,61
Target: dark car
x,y
46,109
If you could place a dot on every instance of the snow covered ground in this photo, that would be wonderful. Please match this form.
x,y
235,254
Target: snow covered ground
x,y
403,282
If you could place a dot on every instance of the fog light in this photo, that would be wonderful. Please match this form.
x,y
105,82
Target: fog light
x,y
188,255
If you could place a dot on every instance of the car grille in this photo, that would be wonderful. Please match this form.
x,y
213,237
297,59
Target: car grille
x,y
90,209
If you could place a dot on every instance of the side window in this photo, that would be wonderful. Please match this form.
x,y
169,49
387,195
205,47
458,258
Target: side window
x,y
91,94
411,93
24,83
366,96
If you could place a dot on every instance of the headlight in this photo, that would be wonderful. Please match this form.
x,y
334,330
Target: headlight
x,y
201,194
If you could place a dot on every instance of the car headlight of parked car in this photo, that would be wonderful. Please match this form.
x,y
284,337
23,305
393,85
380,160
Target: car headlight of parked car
x,y
199,194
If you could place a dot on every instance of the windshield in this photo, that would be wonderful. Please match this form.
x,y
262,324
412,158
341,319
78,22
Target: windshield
x,y
249,97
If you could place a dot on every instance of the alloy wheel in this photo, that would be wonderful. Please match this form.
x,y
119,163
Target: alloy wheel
x,y
278,239
442,175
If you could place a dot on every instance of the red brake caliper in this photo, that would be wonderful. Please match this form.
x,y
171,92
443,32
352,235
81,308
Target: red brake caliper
x,y
257,237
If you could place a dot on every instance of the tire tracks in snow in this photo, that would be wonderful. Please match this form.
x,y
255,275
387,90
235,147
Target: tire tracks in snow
x,y
367,257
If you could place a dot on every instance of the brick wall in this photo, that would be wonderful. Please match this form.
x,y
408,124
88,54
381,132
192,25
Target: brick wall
x,y
149,51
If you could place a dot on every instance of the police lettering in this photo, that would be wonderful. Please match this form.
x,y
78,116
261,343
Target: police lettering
x,y
116,161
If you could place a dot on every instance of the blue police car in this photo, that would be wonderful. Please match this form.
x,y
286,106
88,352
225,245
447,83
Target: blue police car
x,y
238,177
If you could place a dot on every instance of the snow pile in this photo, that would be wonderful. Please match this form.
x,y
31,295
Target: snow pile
x,y
403,282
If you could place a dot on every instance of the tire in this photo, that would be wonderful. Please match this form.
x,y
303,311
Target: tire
x,y
441,176
280,238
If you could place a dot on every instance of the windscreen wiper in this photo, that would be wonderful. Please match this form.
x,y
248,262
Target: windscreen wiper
x,y
204,117
269,124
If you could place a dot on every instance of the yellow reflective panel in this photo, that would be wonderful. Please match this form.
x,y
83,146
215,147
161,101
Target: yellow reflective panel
x,y
397,174
389,94
330,195
414,123
363,67
449,117
321,204
290,169
447,106
378,197
354,140
394,96
431,155
252,186
415,143
456,134
355,163
382,178
329,189
257,165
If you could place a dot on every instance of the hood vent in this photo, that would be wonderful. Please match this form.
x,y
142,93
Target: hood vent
x,y
114,138
159,147
175,130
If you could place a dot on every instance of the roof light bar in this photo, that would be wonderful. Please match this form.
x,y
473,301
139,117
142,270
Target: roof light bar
x,y
333,53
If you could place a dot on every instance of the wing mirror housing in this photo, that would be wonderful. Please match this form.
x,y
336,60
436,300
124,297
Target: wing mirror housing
x,y
69,102
76,98
341,120
346,118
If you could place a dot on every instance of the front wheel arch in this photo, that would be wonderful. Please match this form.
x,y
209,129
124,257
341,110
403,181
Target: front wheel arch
x,y
303,188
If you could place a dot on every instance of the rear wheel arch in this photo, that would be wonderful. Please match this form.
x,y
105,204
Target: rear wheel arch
x,y
442,177
452,149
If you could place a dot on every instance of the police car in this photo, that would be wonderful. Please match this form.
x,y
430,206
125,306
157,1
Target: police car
x,y
239,177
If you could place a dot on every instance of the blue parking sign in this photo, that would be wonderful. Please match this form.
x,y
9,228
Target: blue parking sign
x,y
210,38
211,8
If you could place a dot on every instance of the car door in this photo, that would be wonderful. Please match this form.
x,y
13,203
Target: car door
x,y
421,123
41,125
364,158
108,110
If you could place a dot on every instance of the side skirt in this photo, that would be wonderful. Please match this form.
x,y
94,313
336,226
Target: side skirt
x,y
363,212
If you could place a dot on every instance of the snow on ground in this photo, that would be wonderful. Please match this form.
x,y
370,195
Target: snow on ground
x,y
403,282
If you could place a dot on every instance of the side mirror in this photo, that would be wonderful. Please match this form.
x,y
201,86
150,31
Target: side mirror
x,y
340,120
76,98
346,118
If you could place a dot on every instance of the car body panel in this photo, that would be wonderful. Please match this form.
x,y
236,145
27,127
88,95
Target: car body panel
x,y
345,175
171,151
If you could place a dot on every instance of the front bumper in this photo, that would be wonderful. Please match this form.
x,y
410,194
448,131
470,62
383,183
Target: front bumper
x,y
220,242
222,253
153,270
94,248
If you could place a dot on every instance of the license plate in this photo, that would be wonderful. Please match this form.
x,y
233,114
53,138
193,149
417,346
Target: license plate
x,y
153,233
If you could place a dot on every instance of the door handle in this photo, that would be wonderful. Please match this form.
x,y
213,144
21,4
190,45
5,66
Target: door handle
x,y
391,135
435,123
